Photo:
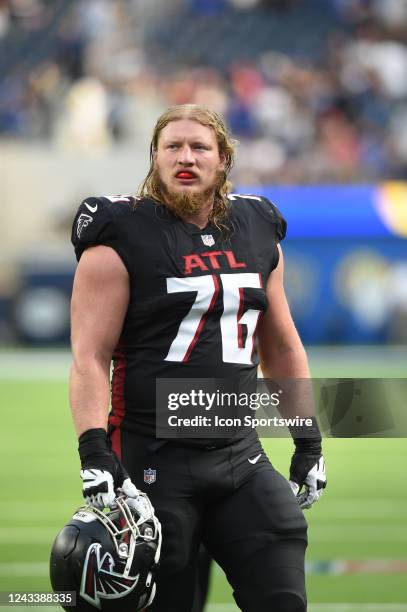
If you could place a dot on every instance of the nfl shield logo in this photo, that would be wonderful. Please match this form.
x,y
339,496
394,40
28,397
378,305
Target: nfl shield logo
x,y
208,239
149,476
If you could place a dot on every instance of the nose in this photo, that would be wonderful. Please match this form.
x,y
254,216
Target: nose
x,y
185,156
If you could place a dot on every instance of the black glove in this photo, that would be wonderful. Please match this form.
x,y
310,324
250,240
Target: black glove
x,y
102,472
307,470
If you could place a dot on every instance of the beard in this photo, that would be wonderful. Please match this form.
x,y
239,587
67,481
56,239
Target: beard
x,y
184,203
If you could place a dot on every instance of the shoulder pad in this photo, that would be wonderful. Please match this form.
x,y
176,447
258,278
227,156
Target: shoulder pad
x,y
266,209
94,221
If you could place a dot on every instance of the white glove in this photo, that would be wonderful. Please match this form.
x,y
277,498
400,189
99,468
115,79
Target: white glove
x,y
312,486
141,505
98,488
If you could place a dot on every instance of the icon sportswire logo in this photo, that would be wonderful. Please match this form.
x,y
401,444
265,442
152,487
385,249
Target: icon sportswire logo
x,y
255,459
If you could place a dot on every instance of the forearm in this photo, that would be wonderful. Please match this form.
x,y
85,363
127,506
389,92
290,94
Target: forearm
x,y
89,394
288,367
287,362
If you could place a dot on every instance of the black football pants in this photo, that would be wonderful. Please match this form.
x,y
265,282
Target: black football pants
x,y
202,581
244,512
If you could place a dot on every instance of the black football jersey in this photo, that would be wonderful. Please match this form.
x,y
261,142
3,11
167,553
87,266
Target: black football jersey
x,y
195,295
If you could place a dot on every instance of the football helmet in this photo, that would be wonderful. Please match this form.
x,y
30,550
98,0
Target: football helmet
x,y
108,558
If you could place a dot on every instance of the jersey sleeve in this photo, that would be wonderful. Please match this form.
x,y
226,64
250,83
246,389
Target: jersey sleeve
x,y
276,218
95,224
259,206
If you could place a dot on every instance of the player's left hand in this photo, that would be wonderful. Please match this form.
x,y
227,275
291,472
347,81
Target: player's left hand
x,y
307,478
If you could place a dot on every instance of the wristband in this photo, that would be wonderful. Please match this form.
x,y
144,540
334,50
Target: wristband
x,y
307,438
93,443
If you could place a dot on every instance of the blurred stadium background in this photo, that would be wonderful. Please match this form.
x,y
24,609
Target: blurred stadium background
x,y
316,93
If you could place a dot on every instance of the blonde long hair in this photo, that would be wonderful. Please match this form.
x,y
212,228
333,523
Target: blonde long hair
x,y
151,187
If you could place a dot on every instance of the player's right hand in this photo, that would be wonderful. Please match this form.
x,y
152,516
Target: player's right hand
x,y
102,472
99,487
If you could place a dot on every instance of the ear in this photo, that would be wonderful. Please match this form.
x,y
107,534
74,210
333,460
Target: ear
x,y
222,163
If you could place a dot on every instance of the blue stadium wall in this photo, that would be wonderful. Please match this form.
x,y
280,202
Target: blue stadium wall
x,y
346,261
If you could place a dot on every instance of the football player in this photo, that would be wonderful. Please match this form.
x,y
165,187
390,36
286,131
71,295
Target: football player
x,y
185,280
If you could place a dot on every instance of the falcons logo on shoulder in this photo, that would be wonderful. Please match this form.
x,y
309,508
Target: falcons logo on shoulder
x,y
83,222
99,580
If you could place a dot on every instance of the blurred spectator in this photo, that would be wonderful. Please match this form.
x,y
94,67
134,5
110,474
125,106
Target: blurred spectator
x,y
4,17
393,13
207,6
316,91
244,4
84,125
371,52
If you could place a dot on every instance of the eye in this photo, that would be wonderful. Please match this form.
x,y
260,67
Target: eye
x,y
172,147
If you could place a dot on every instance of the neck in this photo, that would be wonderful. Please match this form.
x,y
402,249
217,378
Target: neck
x,y
201,217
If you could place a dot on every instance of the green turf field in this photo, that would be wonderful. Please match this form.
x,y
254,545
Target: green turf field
x,y
362,516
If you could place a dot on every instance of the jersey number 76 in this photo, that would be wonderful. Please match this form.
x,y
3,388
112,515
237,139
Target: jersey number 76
x,y
234,349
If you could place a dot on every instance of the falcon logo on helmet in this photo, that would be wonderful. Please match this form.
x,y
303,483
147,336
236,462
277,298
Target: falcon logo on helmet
x,y
99,579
